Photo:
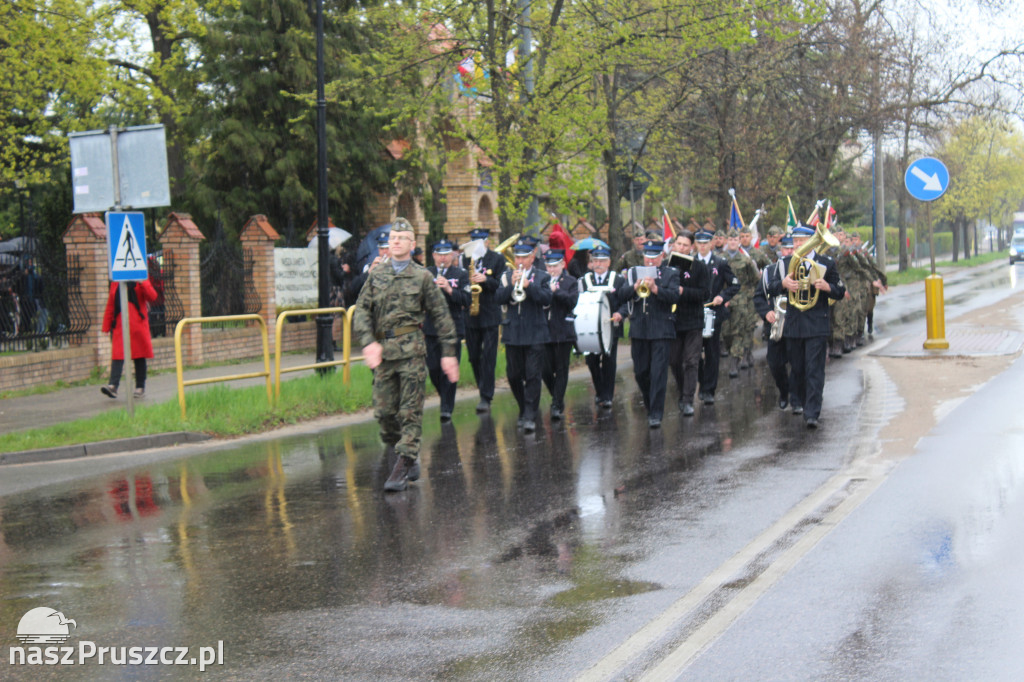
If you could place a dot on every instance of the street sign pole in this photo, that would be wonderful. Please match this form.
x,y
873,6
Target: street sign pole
x,y
927,179
140,153
126,337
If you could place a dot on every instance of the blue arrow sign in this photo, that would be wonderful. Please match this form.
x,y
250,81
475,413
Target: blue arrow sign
x,y
126,246
926,179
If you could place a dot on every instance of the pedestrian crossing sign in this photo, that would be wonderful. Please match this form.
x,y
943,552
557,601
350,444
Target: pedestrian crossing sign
x,y
126,246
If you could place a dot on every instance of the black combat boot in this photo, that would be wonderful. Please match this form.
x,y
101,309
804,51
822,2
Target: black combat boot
x,y
400,475
735,371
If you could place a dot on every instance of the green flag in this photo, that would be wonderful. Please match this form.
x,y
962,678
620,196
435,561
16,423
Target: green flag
x,y
790,215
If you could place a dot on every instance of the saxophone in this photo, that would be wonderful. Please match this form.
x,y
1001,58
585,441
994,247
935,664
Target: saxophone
x,y
475,290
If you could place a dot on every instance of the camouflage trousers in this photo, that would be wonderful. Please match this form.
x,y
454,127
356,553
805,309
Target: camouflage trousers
x,y
738,330
398,387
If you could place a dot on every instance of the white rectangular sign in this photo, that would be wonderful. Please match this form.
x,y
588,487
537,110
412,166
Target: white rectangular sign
x,y
295,277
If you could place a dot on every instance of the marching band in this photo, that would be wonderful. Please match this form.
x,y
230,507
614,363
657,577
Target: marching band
x,y
677,299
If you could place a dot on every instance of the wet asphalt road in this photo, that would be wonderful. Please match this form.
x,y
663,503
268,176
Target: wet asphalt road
x,y
594,542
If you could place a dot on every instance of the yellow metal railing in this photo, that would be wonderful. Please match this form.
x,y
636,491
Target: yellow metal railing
x,y
278,329
230,377
346,345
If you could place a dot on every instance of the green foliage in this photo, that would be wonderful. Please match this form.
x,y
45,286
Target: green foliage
x,y
918,274
52,81
257,151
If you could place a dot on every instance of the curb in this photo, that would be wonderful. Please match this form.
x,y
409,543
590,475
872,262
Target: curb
x,y
103,447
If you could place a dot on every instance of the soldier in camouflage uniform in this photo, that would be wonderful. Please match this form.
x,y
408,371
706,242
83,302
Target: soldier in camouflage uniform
x,y
757,255
635,256
770,246
843,311
718,243
879,282
387,324
738,331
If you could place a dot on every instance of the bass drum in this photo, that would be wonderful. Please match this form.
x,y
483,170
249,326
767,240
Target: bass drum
x,y
593,323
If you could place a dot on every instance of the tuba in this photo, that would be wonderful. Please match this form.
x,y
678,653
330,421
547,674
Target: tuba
x,y
805,271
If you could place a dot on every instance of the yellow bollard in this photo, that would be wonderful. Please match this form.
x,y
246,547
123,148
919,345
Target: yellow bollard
x,y
935,313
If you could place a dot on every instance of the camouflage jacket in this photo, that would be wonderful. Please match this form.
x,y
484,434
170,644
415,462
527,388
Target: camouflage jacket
x,y
771,254
759,257
745,270
390,303
629,260
869,264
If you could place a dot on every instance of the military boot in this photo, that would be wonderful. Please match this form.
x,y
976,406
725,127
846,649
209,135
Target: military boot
x,y
399,478
735,371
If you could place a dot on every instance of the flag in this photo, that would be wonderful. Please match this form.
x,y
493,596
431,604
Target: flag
x,y
791,220
560,239
668,232
755,237
830,216
735,219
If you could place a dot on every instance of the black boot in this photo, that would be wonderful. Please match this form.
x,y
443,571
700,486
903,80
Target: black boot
x,y
735,371
399,478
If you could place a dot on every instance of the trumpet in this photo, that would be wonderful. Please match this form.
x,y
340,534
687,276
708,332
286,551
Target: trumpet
x,y
518,292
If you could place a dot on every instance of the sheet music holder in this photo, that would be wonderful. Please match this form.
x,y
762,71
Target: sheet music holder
x,y
680,261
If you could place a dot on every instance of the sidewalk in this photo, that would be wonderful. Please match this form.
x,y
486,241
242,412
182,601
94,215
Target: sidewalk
x,y
79,402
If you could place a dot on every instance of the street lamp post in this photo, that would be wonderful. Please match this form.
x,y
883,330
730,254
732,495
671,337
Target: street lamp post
x,y
324,323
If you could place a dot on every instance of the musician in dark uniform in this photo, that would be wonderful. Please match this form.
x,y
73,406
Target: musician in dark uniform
x,y
355,284
807,332
693,292
722,285
564,295
482,328
454,284
765,307
602,366
651,327
525,330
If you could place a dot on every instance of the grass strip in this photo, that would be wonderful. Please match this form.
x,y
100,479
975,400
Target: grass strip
x,y
223,411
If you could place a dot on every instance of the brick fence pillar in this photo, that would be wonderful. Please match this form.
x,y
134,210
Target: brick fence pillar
x,y
180,240
86,238
259,236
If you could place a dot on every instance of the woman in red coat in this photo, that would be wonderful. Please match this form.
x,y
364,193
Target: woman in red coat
x,y
140,294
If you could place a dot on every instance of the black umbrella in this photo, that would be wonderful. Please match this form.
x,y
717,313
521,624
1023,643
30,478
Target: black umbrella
x,y
367,250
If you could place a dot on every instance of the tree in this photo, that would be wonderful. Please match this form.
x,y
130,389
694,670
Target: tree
x,y
53,79
256,150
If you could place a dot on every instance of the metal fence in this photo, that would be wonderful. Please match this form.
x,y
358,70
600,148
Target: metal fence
x,y
226,278
41,302
167,309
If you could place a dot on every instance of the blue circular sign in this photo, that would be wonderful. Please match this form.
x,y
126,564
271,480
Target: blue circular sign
x,y
926,179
